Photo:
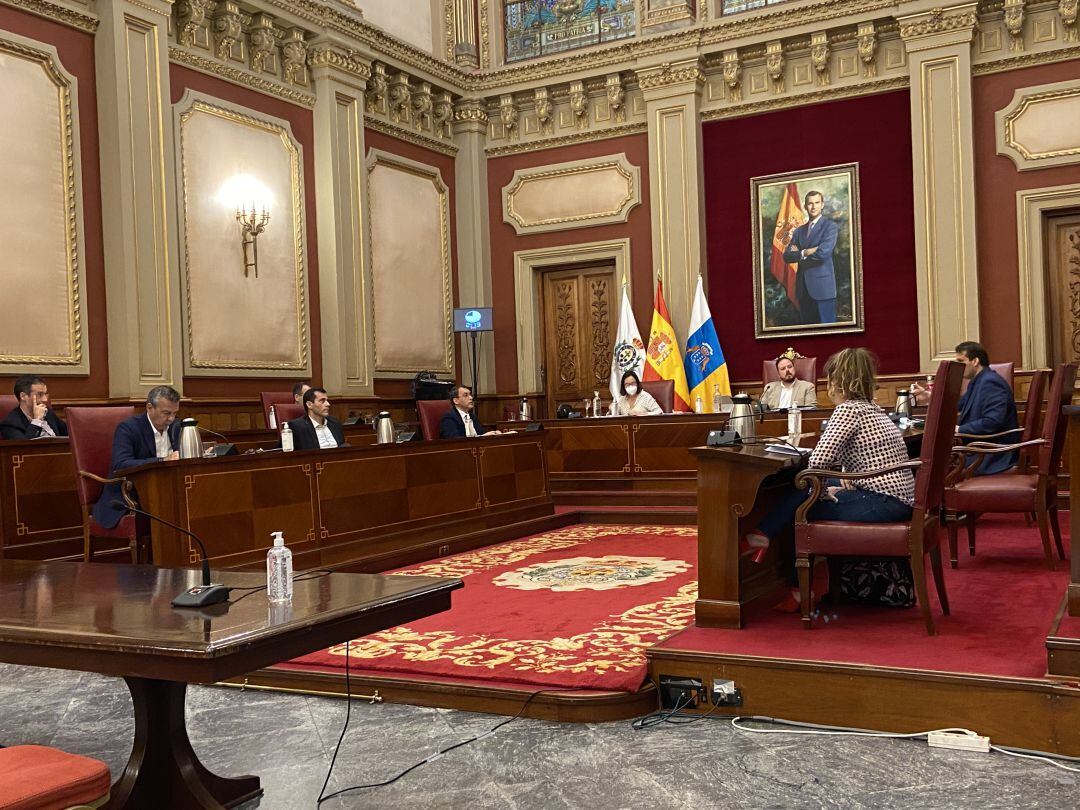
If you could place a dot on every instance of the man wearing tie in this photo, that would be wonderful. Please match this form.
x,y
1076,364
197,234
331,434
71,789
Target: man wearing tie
x,y
458,422
812,246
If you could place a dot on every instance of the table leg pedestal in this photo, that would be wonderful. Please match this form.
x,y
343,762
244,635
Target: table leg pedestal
x,y
163,770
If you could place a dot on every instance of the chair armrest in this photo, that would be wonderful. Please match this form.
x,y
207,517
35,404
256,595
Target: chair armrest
x,y
99,479
961,470
814,478
988,449
126,487
987,435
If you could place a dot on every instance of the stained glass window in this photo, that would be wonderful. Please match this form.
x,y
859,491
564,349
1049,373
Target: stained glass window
x,y
539,27
734,6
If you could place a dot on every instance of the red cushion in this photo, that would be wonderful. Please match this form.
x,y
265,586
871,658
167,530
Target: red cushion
x,y
33,777
1005,492
125,528
837,537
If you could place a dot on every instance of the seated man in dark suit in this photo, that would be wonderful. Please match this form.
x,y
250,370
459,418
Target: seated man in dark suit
x,y
987,406
141,439
32,418
298,392
316,429
458,422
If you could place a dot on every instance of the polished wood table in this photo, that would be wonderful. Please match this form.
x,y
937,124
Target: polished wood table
x,y
117,620
381,505
1073,458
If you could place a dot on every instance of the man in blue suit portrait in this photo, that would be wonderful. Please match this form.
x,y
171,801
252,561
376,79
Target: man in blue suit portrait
x,y
811,246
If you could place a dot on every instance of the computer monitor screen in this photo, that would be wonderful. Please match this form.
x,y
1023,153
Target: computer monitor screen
x,y
473,319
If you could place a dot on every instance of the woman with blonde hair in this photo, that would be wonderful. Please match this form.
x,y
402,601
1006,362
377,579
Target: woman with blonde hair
x,y
859,437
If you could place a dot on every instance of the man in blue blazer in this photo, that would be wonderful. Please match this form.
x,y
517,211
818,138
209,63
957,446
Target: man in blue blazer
x,y
812,245
456,422
150,436
987,406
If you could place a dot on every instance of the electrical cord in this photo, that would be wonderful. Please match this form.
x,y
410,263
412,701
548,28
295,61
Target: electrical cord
x,y
300,576
674,717
323,796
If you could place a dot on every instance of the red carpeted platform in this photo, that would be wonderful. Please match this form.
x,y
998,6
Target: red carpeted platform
x,y
1003,600
574,608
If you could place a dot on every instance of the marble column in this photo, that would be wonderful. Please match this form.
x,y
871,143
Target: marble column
x,y
672,92
938,45
138,196
340,79
473,231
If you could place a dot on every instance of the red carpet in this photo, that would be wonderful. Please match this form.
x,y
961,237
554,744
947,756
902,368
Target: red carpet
x,y
574,608
1003,603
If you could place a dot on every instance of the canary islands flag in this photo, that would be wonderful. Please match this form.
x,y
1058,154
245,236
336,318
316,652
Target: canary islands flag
x,y
663,360
706,367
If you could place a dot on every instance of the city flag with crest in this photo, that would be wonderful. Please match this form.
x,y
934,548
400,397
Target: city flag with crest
x,y
789,218
629,353
706,368
663,359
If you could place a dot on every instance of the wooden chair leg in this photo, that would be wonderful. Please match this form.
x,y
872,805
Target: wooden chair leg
x,y
88,546
918,572
1029,519
1055,527
1044,533
951,526
803,567
969,524
939,579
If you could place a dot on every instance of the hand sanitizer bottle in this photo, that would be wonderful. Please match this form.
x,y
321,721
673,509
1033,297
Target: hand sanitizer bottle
x,y
596,405
273,418
716,399
278,571
286,439
699,406
524,410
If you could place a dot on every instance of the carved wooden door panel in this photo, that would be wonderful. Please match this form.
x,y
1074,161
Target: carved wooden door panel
x,y
579,321
1063,250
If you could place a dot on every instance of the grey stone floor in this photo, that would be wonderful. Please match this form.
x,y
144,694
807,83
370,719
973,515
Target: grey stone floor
x,y
288,741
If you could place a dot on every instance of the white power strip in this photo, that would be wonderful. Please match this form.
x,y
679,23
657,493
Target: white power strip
x,y
961,742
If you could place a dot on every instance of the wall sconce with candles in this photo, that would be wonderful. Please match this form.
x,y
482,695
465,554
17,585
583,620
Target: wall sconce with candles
x,y
250,199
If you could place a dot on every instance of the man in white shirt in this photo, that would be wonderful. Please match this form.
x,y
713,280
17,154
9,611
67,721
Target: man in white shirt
x,y
789,391
459,422
316,429
32,418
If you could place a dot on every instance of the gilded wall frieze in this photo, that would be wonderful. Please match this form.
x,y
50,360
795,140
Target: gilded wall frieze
x,y
411,136
237,75
567,140
938,21
1067,9
801,99
348,61
56,13
668,74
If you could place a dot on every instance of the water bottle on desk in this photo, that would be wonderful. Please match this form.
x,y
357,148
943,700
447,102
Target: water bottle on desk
x,y
286,439
523,412
273,418
716,399
596,405
278,571
699,406
794,424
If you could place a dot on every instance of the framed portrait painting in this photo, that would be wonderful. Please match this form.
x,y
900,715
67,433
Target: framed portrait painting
x,y
807,252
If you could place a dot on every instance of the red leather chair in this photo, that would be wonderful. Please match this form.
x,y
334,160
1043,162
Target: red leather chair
x,y
8,403
914,539
90,431
805,367
277,399
431,412
1017,490
663,391
35,776
286,412
1004,370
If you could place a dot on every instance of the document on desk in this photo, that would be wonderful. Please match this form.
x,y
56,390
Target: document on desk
x,y
787,449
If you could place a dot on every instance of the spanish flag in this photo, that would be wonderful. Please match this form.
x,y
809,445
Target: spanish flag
x,y
706,368
789,218
663,360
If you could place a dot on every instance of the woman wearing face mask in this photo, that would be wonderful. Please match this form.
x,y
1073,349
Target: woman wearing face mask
x,y
633,401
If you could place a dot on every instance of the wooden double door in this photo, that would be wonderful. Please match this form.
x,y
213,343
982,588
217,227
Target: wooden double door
x,y
579,323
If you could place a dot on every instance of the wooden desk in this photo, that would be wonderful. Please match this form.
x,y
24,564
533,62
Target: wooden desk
x,y
734,486
116,620
1073,459
372,504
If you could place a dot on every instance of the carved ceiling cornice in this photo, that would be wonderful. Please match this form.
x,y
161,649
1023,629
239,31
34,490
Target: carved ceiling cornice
x,y
57,13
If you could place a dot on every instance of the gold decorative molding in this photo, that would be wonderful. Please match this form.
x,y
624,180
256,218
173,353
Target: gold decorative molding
x,y
813,97
1038,128
292,218
205,64
668,74
348,61
56,13
576,194
940,21
1025,60
410,136
566,140
65,326
650,16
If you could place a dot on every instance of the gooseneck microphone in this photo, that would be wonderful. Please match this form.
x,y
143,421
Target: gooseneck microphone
x,y
201,595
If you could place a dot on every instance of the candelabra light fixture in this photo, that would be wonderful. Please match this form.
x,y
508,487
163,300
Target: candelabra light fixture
x,y
252,222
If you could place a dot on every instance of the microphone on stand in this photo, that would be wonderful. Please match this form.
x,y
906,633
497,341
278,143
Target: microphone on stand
x,y
201,595
226,449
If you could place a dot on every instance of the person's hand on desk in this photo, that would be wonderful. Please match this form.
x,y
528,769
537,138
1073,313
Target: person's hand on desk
x,y
921,394
173,456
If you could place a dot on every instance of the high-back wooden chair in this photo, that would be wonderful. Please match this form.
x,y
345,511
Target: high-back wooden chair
x,y
8,403
663,391
90,432
914,539
276,399
286,412
431,413
805,367
1032,489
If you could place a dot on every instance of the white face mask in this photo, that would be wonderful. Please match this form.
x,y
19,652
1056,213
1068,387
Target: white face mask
x,y
631,390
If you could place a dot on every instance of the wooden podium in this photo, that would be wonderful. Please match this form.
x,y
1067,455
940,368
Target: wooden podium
x,y
734,486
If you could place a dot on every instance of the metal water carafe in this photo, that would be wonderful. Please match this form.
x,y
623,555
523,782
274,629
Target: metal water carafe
x,y
742,417
384,428
904,400
190,440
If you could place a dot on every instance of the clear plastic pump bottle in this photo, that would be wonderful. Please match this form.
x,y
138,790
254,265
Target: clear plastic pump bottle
x,y
279,571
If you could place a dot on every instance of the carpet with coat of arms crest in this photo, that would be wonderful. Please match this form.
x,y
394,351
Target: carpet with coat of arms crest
x,y
574,608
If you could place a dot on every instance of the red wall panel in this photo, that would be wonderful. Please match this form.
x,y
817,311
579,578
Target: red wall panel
x,y
302,122
76,50
873,131
996,184
505,241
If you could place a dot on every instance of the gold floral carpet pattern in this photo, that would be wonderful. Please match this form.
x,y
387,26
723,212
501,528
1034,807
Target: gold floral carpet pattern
x,y
572,608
